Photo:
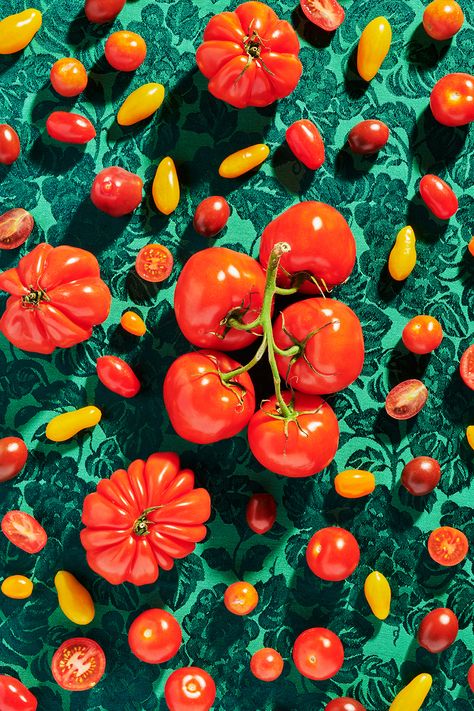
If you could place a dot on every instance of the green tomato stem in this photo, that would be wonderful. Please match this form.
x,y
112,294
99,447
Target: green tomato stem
x,y
226,377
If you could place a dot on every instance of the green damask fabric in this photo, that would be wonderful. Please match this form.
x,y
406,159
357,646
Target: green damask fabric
x,y
378,196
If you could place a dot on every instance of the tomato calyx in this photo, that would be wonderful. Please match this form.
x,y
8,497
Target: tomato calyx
x,y
235,319
142,523
299,347
253,45
33,299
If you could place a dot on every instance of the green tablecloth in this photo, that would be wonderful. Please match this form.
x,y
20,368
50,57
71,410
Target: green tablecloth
x,y
377,196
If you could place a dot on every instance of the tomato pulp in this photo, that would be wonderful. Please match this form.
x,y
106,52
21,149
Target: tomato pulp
x,y
326,14
78,664
24,531
16,226
448,546
466,367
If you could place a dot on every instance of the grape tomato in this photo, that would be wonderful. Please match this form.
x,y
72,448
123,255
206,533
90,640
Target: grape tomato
x,y
133,323
406,399
421,475
261,513
14,696
117,376
305,143
16,226
211,216
344,704
9,144
368,137
13,456
24,531
18,587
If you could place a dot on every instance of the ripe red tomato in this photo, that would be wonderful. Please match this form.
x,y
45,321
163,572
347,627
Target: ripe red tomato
x,y
318,653
211,216
322,246
327,14
266,664
301,447
154,263
24,531
16,226
421,475
470,246
57,296
125,51
452,99
78,664
368,137
69,128
190,689
438,630
423,334
344,704
332,358
14,696
447,546
438,197
261,513
68,76
249,56
116,191
406,399
13,456
216,284
470,677
466,367
117,376
241,598
103,10
306,143
9,144
442,19
155,636
333,553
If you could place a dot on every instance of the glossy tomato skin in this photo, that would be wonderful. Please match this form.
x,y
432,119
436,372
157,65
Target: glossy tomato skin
x,y
321,242
368,137
241,598
24,531
452,99
261,513
448,546
117,376
116,191
470,677
306,144
16,226
14,696
125,51
155,636
423,334
266,664
68,76
326,14
211,216
318,653
344,704
101,11
13,456
442,19
466,367
438,197
438,630
406,399
421,475
154,263
78,664
190,689
333,553
213,283
332,358
69,128
9,144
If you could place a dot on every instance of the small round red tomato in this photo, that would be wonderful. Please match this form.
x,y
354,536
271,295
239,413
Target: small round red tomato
x,y
470,246
125,51
13,456
466,367
452,99
368,137
438,197
24,531
117,376
69,128
447,546
211,216
266,664
406,399
423,334
155,636
68,76
15,227
14,696
318,653
333,553
306,144
261,513
326,14
116,191
344,704
241,598
9,144
421,475
442,19
103,10
78,664
438,630
154,263
470,677
190,689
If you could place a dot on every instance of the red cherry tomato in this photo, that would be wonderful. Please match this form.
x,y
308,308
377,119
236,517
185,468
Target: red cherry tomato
x,y
261,513
447,546
117,376
438,630
154,263
306,143
190,689
14,696
327,14
466,367
155,636
442,19
333,553
13,456
266,664
15,227
116,191
470,677
103,10
423,334
241,598
9,144
368,137
318,653
470,247
452,99
406,399
78,664
68,76
421,475
438,197
344,704
211,216
125,51
69,128
24,531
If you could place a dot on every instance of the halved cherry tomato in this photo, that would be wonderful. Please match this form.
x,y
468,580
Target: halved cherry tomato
x,y
344,704
412,696
78,664
154,263
466,367
125,51
190,689
117,376
17,31
402,258
17,587
421,475
116,191
211,216
438,630
447,546
9,144
15,228
74,600
24,531
68,76
141,103
318,653
327,14
303,136
261,513
333,553
69,128
14,696
438,197
64,426
13,456
354,483
373,47
155,636
452,99
244,160
165,189
423,334
406,399
368,137
133,323
103,10
266,664
241,598
442,19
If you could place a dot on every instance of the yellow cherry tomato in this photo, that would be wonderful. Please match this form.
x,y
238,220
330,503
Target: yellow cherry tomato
x,y
74,599
470,436
141,103
242,161
412,696
17,31
17,586
65,426
354,483
378,594
402,259
166,187
133,323
373,47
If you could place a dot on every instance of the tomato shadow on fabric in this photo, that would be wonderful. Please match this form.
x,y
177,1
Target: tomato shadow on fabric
x,y
388,288
466,270
350,166
416,505
103,79
288,170
355,86
403,365
395,430
141,291
82,33
310,32
462,415
97,230
435,578
426,226
434,146
425,52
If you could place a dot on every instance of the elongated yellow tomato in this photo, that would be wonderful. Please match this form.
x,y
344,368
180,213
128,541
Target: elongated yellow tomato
x,y
17,31
354,483
470,436
412,696
17,586
74,599
166,187
65,426
373,47
242,161
133,323
141,103
402,259
378,594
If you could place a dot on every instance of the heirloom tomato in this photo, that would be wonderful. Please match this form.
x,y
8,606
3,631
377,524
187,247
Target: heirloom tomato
x,y
452,99
326,14
241,598
154,263
9,144
140,520
438,197
249,56
423,334
318,653
125,51
117,376
69,128
466,367
333,553
14,696
13,456
442,19
344,704
368,137
68,76
421,475
57,296
266,664
17,31
211,216
155,636
24,531
190,689
215,286
103,10
438,630
305,143
16,226
406,399
447,546
78,664
261,513
116,191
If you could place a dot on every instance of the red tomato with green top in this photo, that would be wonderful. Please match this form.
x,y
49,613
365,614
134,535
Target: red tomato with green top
x,y
211,216
438,197
14,696
368,137
125,51
78,664
423,334
318,653
438,630
326,14
466,367
333,553
266,664
190,689
9,144
101,11
13,456
69,128
306,144
155,636
116,191
117,376
24,531
452,99
344,704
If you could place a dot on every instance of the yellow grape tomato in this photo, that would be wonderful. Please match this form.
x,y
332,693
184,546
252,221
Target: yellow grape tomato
x,y
65,426
402,259
165,188
141,103
412,696
17,587
17,31
373,47
354,483
242,161
74,600
378,594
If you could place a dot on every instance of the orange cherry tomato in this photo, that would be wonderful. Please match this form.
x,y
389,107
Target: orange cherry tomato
x,y
125,51
266,664
447,546
154,263
68,76
241,598
78,664
17,587
261,512
373,47
242,161
9,144
406,399
155,636
442,19
133,323
471,246
423,334
354,483
452,99
17,31
466,367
